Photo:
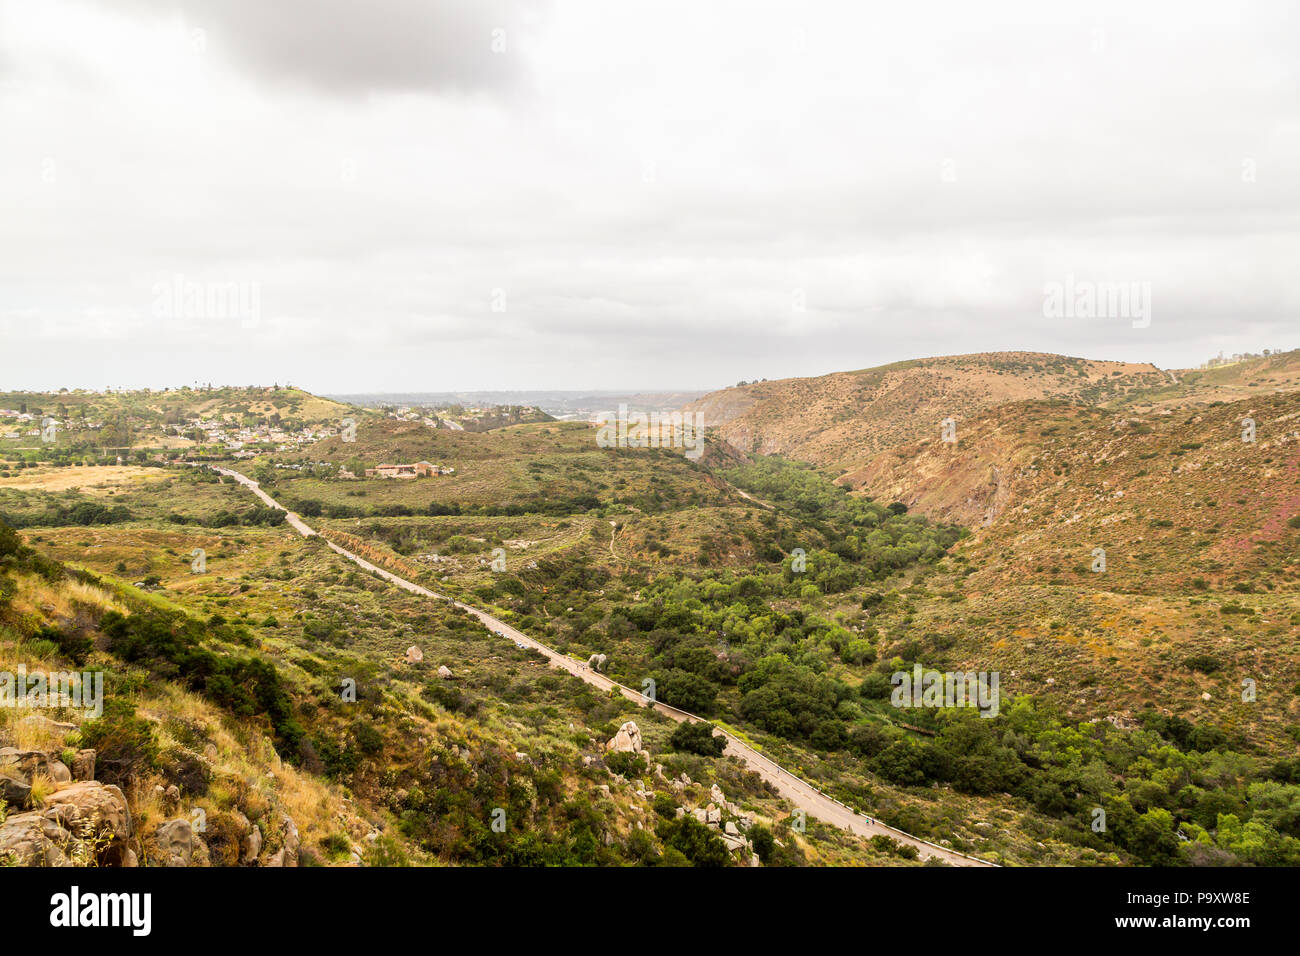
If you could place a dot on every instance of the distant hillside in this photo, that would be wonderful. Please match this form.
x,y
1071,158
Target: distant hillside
x,y
1199,531
1174,495
146,407
839,420
1225,383
561,404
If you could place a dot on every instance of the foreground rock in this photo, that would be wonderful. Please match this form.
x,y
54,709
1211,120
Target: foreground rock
x,y
85,822
176,844
83,765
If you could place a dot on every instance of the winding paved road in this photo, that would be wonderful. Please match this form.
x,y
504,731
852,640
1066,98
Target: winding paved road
x,y
795,789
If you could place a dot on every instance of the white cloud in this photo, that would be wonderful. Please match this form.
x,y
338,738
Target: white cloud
x,y
651,184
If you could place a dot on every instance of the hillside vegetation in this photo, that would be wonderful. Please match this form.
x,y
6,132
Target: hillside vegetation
x,y
836,421
1098,537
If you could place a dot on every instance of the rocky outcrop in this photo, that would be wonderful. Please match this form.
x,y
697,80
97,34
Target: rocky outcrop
x,y
627,740
176,844
83,823
101,806
79,821
169,797
23,764
15,792
83,765
290,843
35,839
596,661
19,767
252,845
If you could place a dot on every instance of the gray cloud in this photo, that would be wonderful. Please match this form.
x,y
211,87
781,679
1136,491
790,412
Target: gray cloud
x,y
366,46
678,176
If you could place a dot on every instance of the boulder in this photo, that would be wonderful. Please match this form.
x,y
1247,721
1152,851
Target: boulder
x,y
34,839
596,661
292,842
627,740
444,672
23,764
717,796
252,845
83,765
59,771
88,810
414,655
175,840
103,803
55,728
14,792
287,855
734,844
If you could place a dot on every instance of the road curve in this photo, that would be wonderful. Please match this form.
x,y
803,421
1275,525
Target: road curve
x,y
798,791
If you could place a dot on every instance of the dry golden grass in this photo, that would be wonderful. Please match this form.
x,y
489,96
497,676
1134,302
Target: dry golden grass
x,y
42,787
97,480
247,773
62,600
26,735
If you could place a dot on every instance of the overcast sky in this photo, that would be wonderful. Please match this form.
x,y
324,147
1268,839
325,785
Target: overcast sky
x,y
478,194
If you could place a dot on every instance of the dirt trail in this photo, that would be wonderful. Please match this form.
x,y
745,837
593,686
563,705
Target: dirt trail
x,y
795,789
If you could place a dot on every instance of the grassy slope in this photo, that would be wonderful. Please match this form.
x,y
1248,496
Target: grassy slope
x,y
332,621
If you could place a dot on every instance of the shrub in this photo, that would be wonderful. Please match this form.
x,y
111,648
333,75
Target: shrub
x,y
124,744
625,764
697,738
693,840
763,842
1204,663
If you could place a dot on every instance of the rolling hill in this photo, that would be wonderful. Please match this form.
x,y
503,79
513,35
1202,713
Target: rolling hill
x,y
838,421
